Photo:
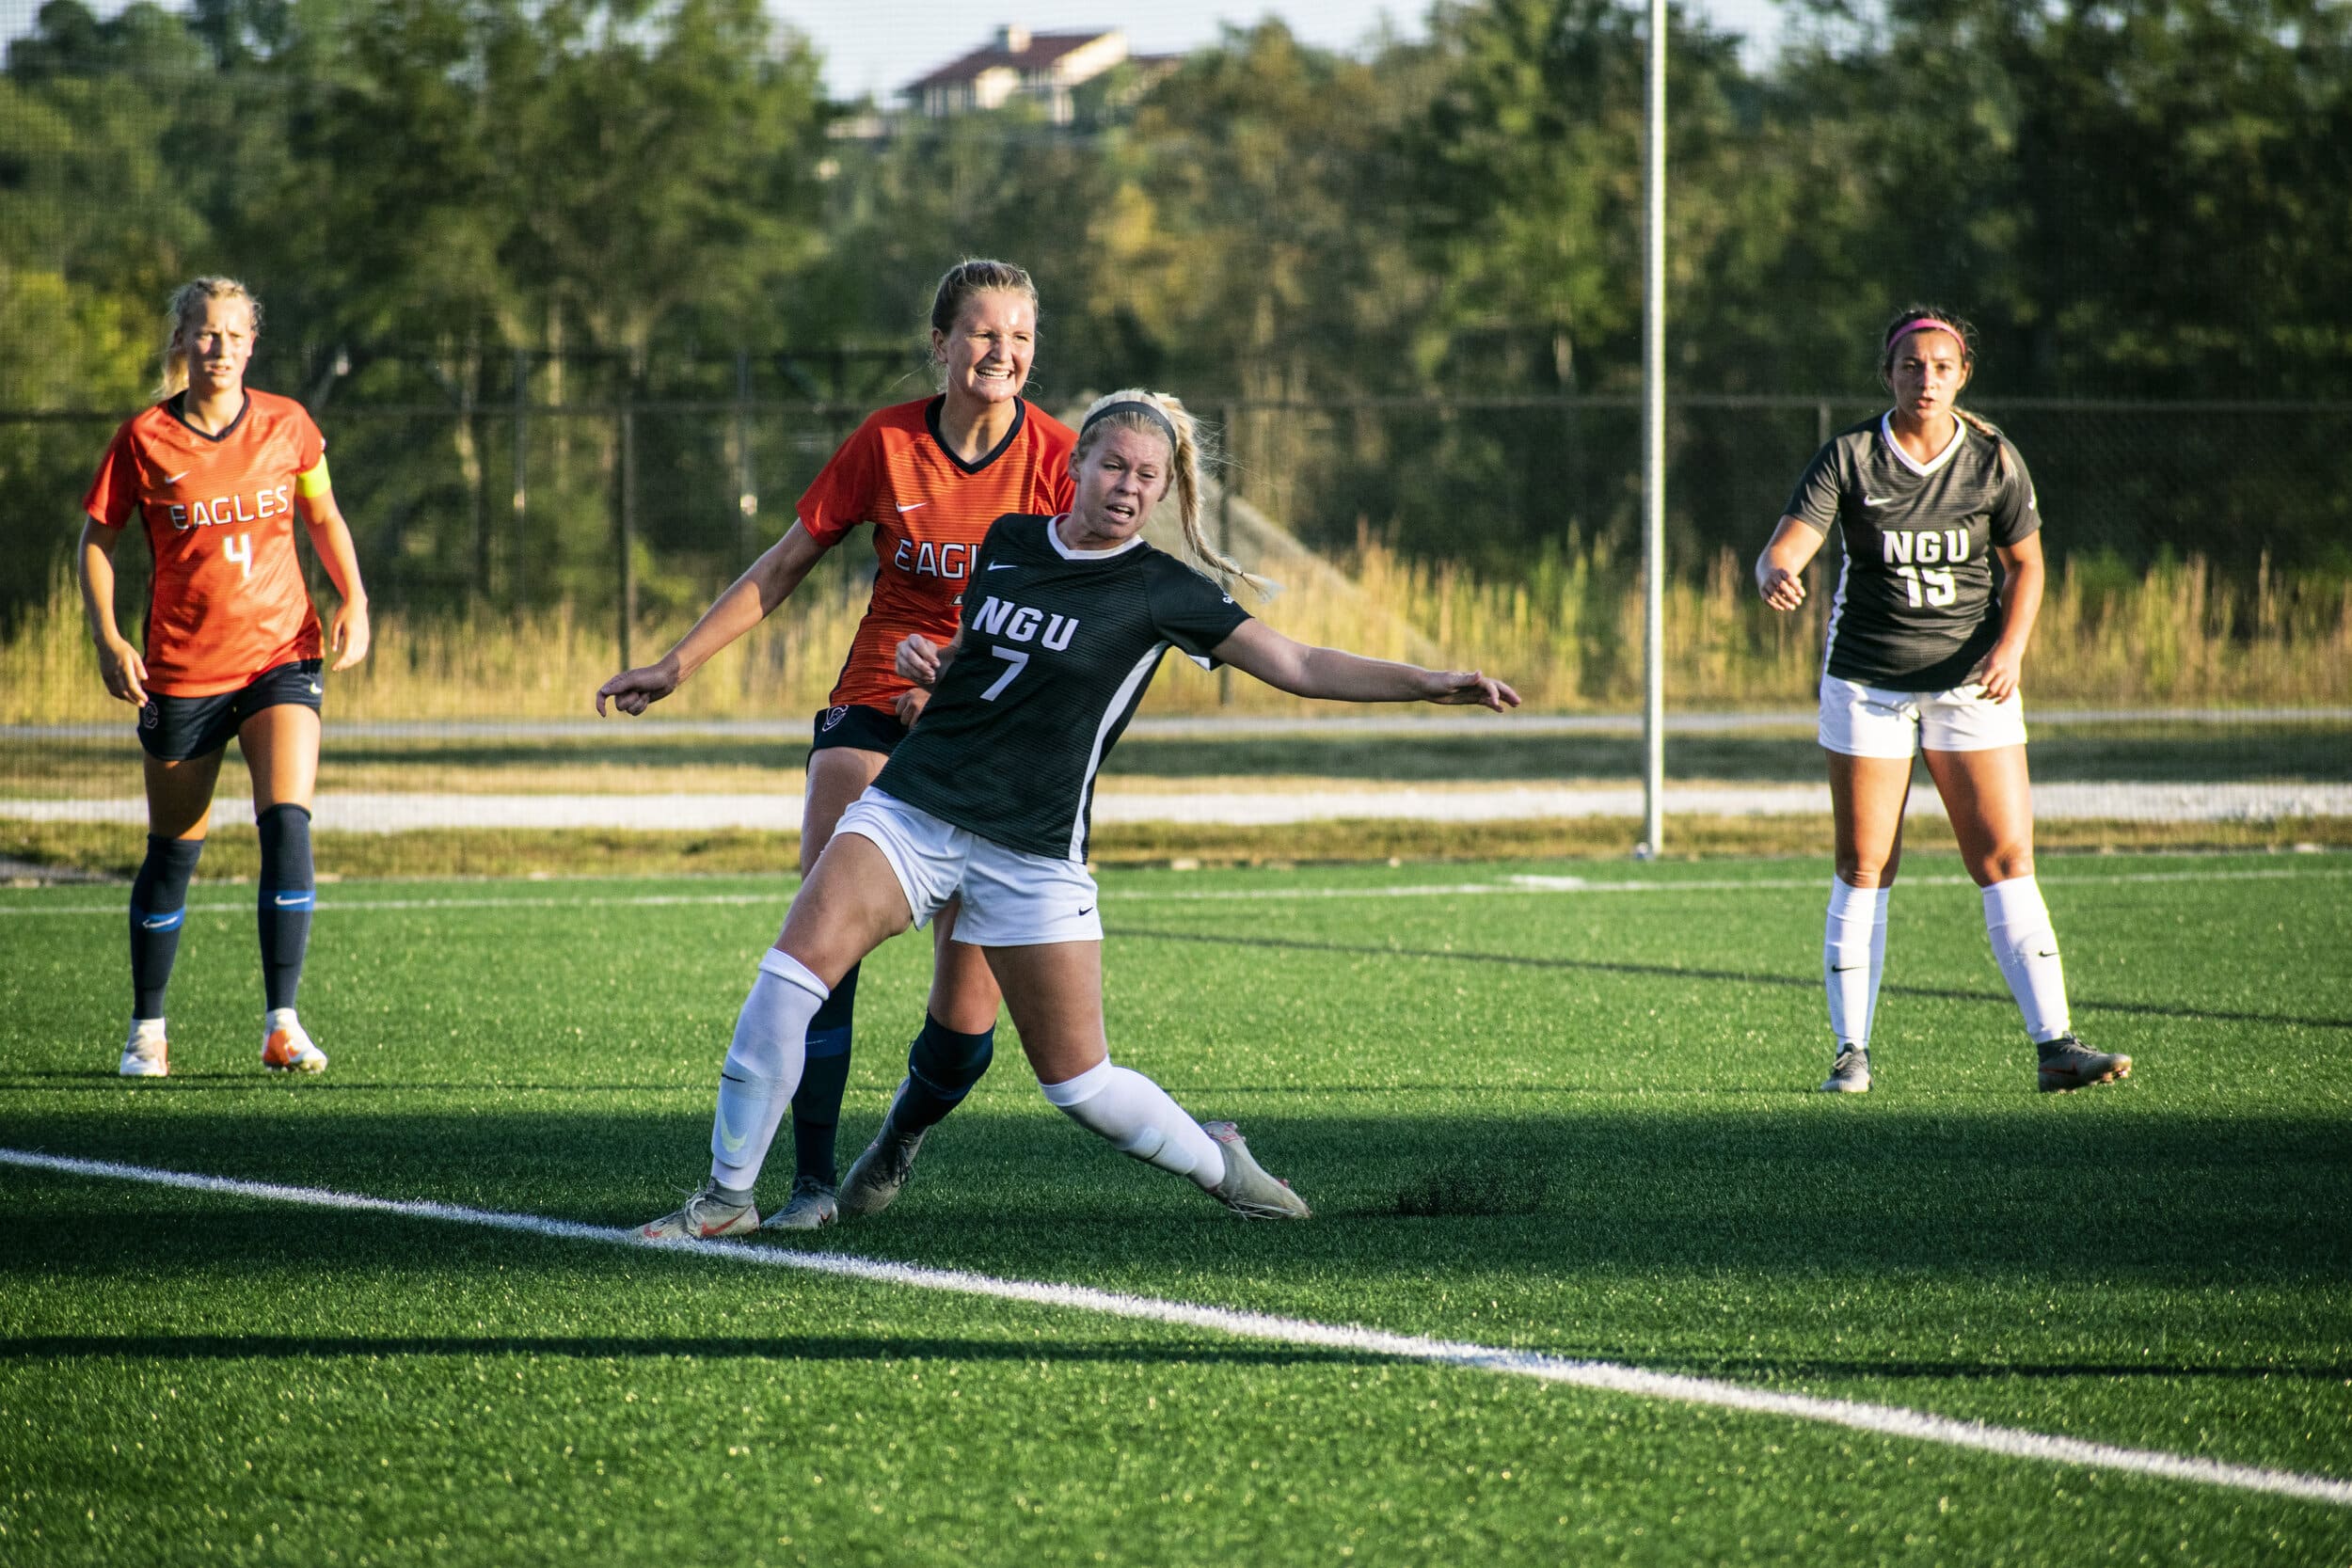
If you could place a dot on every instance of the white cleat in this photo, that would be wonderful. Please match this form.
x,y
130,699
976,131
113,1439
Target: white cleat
x,y
812,1207
1247,1190
146,1054
286,1045
704,1216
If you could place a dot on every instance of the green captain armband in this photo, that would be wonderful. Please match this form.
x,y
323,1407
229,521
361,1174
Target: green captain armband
x,y
314,482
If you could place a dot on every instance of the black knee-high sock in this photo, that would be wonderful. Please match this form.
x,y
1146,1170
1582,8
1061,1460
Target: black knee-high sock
x,y
159,901
942,1067
824,1073
287,893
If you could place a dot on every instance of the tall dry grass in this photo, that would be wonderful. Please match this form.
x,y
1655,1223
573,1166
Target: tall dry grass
x,y
1569,635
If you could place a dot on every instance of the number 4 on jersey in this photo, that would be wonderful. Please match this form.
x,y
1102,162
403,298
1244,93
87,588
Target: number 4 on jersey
x,y
239,549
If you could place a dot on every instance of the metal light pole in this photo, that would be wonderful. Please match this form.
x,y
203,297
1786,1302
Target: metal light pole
x,y
1654,452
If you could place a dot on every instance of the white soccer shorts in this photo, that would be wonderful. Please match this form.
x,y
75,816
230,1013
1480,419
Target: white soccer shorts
x,y
1011,899
1873,721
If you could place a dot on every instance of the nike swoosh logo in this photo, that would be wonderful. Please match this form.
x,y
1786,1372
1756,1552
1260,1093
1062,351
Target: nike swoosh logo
x,y
1879,500
2047,953
1002,566
917,507
1088,910
294,901
159,923
729,1139
178,477
1843,969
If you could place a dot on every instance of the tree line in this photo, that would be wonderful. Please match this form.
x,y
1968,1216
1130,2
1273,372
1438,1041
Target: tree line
x,y
2134,200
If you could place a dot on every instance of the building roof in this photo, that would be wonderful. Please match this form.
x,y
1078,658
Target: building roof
x,y
1037,53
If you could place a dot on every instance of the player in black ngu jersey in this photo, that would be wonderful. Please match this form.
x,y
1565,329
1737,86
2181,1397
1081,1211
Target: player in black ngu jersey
x,y
1925,649
986,802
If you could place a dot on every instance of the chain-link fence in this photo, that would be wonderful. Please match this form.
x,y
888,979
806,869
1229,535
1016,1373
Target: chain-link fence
x,y
528,482
527,534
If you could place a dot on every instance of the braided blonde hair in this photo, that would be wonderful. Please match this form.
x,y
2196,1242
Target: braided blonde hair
x,y
185,310
1191,442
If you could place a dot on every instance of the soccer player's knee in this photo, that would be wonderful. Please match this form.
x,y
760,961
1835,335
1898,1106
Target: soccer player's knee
x,y
948,1060
164,877
285,828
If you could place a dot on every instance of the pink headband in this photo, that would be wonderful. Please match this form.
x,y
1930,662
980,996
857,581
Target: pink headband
x,y
1895,337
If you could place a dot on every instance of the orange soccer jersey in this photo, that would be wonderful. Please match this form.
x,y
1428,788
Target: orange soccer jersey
x,y
229,600
930,510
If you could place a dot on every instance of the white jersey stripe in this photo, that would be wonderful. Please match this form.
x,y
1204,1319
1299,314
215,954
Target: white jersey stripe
x,y
1122,703
1837,608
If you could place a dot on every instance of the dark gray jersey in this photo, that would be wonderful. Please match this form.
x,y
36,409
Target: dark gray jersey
x,y
1915,607
1059,647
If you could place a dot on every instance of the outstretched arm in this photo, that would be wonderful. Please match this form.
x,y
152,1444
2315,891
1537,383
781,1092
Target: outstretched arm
x,y
1257,649
1780,570
752,598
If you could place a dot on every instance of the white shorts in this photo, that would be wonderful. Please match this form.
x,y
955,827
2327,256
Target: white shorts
x,y
1011,899
1872,721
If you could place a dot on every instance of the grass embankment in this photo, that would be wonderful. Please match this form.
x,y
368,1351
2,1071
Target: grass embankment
x,y
1569,636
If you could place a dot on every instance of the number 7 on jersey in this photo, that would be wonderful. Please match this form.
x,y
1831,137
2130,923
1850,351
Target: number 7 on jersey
x,y
1016,660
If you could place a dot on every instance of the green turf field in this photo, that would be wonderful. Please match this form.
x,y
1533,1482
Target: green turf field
x,y
1559,1116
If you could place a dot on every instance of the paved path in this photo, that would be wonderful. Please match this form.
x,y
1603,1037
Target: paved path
x,y
1423,726
390,813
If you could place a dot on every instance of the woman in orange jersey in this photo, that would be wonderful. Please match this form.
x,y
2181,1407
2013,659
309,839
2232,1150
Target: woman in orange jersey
x,y
931,476
217,474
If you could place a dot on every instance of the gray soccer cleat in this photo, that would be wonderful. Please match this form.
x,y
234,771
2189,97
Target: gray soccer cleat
x,y
2068,1065
874,1180
811,1207
706,1215
1247,1190
1849,1073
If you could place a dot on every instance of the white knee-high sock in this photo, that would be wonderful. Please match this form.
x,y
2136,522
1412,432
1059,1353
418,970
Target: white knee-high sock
x,y
1140,1121
2027,948
1853,956
763,1068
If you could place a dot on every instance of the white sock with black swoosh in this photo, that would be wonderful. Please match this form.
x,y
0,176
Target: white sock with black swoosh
x,y
2027,948
1853,956
763,1068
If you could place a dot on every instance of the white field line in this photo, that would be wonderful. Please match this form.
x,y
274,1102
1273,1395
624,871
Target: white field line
x,y
1523,885
1887,1421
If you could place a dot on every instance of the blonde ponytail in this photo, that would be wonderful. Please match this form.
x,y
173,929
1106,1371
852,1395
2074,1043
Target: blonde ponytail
x,y
186,309
1187,460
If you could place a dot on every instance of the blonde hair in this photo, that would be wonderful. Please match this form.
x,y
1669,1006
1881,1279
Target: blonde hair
x,y
976,274
187,308
964,282
1186,460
